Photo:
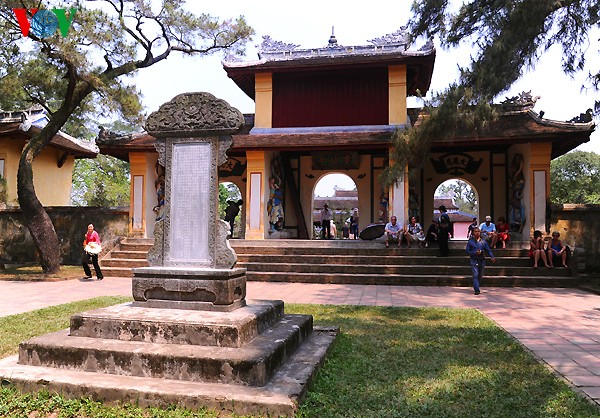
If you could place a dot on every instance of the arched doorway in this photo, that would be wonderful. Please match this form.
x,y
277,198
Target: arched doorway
x,y
461,200
340,193
230,208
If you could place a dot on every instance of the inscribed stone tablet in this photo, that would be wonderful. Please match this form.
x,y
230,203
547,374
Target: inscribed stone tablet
x,y
190,200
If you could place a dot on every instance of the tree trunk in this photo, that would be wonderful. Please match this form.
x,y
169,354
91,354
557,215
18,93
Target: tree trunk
x,y
37,220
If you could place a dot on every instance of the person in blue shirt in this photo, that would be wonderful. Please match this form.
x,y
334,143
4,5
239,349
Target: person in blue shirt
x,y
477,249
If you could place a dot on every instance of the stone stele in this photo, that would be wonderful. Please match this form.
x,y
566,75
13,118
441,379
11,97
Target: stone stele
x,y
189,338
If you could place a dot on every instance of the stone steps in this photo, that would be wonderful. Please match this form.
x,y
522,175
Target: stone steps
x,y
129,254
252,364
255,360
440,268
363,262
412,280
228,399
369,262
373,260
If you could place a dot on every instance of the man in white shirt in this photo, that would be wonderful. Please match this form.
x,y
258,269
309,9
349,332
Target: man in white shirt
x,y
488,231
326,217
393,232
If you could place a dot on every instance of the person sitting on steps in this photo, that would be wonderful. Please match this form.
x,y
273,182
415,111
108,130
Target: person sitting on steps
x,y
557,250
414,233
393,232
536,250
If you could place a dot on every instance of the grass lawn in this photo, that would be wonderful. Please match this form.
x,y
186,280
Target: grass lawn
x,y
35,273
386,362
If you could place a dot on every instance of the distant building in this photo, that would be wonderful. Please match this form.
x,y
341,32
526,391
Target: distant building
x,y
335,109
52,169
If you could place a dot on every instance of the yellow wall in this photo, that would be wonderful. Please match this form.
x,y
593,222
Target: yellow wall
x,y
397,95
52,184
263,100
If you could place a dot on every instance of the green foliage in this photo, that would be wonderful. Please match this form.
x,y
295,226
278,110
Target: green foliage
x,y
84,73
3,191
83,76
575,178
443,116
223,198
507,36
464,195
103,181
227,191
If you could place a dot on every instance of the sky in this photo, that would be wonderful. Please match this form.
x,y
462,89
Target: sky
x,y
309,24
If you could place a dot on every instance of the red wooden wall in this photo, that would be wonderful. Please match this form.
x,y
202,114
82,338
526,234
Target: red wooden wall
x,y
334,98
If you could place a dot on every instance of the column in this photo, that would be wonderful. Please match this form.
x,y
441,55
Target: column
x,y
263,99
398,114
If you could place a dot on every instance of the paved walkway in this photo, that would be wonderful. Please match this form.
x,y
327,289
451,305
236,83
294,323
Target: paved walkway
x,y
561,326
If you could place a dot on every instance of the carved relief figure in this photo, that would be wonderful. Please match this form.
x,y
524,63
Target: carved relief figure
x,y
276,196
159,185
383,205
517,186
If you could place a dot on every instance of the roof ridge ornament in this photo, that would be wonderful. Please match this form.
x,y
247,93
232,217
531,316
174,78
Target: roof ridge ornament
x,y
522,101
400,37
333,42
271,45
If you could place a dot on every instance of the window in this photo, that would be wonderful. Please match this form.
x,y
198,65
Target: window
x,y
1,168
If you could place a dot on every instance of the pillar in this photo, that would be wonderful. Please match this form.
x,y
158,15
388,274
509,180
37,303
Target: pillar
x,y
398,114
263,99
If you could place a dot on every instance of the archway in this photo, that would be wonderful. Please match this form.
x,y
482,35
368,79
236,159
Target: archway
x,y
340,193
230,208
461,200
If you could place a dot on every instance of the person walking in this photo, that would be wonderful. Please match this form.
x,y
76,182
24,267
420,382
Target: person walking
x,y
477,249
91,249
326,217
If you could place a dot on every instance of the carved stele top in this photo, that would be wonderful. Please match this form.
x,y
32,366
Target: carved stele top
x,y
194,114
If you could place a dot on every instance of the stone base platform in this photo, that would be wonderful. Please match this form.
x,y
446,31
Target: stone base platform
x,y
280,397
253,360
176,326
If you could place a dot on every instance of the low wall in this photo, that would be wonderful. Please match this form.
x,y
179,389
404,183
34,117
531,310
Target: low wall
x,y
70,223
579,228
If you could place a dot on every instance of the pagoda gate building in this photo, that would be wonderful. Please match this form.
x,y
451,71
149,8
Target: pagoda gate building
x,y
335,110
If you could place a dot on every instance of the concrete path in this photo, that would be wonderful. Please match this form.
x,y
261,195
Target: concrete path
x,y
561,326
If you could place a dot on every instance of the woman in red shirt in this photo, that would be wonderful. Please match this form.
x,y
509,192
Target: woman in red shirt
x,y
91,249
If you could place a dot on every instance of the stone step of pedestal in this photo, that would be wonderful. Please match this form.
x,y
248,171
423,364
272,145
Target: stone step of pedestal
x,y
411,279
280,397
176,326
253,364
